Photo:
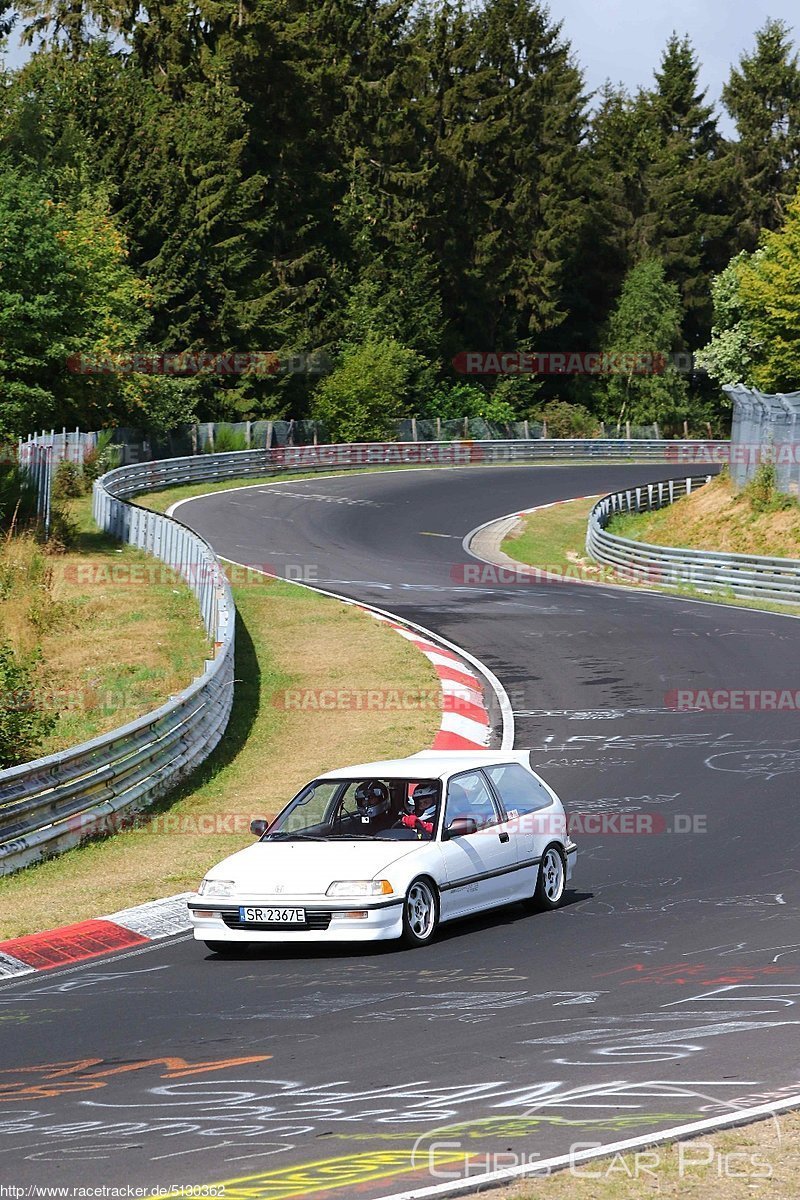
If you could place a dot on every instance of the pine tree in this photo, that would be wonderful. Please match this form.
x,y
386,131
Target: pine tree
x,y
762,96
687,183
65,25
621,145
504,121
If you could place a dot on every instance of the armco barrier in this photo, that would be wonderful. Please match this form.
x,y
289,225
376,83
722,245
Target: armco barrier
x,y
54,803
244,464
749,575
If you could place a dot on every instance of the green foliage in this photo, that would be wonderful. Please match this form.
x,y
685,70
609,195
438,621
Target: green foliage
x,y
643,329
371,387
729,355
769,294
762,493
422,176
762,96
568,420
24,720
68,298
68,481
225,439
101,458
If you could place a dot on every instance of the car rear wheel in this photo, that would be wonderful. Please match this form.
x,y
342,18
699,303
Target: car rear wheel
x,y
227,949
420,913
551,880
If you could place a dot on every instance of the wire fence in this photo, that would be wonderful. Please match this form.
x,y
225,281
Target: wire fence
x,y
765,430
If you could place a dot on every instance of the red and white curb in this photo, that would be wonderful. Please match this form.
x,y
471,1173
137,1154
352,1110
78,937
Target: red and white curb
x,y
89,939
465,725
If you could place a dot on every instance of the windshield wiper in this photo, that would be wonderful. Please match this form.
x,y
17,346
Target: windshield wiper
x,y
299,837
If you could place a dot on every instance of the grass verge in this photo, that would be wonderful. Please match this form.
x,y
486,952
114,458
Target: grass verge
x,y
755,1160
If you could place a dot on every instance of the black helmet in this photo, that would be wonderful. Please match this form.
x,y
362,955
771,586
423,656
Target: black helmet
x,y
372,799
426,796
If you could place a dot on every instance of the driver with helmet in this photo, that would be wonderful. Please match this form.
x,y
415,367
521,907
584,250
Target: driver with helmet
x,y
373,801
421,809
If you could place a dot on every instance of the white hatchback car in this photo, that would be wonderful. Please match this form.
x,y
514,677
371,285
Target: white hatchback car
x,y
389,850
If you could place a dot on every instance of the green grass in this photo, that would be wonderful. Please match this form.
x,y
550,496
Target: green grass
x,y
554,539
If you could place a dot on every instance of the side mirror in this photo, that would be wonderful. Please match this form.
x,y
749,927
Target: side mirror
x,y
259,827
461,827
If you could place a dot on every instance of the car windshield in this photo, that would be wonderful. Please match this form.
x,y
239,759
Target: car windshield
x,y
357,809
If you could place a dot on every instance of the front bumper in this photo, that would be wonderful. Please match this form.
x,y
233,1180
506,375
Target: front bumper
x,y
572,857
326,920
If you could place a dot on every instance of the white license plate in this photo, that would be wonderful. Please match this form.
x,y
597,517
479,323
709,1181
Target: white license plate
x,y
273,916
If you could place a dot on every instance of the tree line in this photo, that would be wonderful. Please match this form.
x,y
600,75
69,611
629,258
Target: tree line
x,y
382,185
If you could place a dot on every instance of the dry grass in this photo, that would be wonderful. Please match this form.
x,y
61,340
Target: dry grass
x,y
287,638
716,518
117,635
759,1160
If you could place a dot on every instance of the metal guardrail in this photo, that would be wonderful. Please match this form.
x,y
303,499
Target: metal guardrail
x,y
746,575
244,464
56,802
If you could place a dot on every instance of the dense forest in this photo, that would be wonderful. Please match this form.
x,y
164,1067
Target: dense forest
x,y
380,186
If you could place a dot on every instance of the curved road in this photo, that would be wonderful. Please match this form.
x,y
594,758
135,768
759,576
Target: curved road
x,y
665,990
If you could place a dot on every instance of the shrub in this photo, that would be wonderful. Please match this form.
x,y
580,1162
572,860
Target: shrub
x,y
68,481
762,491
24,721
226,439
371,387
101,458
568,420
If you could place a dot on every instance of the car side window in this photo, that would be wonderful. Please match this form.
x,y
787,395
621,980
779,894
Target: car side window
x,y
468,796
518,789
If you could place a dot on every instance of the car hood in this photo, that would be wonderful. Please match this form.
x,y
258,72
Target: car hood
x,y
307,868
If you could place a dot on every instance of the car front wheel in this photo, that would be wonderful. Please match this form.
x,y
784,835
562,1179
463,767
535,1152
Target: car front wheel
x,y
420,913
551,880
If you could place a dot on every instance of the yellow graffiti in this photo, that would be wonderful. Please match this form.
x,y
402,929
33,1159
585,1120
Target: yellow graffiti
x,y
514,1127
329,1174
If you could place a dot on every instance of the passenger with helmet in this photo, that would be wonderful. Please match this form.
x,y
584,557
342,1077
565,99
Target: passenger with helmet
x,y
373,802
421,809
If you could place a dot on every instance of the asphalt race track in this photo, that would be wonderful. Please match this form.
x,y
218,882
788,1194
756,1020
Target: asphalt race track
x,y
666,989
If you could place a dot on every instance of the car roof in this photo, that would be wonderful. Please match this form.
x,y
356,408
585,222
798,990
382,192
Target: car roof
x,y
429,764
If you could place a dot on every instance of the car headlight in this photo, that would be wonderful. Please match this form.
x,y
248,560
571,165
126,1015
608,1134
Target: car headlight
x,y
360,887
216,887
